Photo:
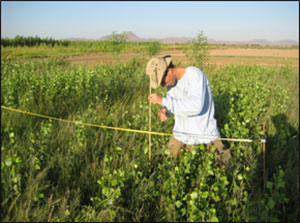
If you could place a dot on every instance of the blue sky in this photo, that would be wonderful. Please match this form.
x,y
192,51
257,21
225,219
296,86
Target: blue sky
x,y
220,20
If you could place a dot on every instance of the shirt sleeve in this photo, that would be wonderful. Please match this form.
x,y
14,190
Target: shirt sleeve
x,y
191,105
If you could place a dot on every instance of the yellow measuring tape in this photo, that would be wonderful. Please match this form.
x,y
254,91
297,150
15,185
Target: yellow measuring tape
x,y
87,124
127,130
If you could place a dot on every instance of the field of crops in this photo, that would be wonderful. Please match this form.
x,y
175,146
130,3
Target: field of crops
x,y
57,171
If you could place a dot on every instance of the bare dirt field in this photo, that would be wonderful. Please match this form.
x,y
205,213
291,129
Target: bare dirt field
x,y
266,57
291,53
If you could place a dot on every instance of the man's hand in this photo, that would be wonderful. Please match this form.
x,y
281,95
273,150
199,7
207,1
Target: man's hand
x,y
162,114
155,99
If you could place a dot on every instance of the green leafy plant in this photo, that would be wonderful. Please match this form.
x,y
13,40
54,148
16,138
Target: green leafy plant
x,y
117,42
272,204
198,51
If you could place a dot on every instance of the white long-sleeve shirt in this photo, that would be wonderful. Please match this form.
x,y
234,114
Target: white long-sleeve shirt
x,y
191,102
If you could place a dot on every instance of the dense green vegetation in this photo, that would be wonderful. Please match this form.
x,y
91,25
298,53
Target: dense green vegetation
x,y
55,171
32,41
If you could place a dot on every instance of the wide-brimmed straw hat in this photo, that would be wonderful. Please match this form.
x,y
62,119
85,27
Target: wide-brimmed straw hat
x,y
156,68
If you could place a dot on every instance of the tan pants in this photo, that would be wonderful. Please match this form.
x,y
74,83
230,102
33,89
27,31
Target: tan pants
x,y
174,147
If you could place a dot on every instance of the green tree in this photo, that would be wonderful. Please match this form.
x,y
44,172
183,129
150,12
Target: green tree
x,y
153,48
198,51
117,43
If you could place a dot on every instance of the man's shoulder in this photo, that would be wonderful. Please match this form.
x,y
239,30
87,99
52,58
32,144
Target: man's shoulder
x,y
194,69
194,72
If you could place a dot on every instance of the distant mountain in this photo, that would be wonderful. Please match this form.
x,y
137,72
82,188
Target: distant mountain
x,y
262,42
286,43
134,38
172,40
129,35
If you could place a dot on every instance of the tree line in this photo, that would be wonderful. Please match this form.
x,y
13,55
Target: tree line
x,y
32,41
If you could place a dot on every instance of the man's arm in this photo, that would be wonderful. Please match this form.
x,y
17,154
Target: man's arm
x,y
193,101
190,106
